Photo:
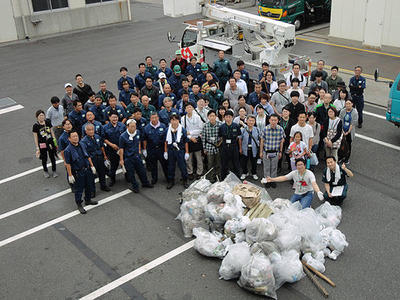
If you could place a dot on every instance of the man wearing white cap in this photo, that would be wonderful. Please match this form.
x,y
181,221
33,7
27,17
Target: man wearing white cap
x,y
68,98
162,80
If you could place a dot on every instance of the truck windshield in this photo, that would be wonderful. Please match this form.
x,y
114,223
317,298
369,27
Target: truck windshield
x,y
189,38
272,3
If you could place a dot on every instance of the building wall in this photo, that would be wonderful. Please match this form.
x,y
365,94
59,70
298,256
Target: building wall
x,y
77,16
8,31
372,22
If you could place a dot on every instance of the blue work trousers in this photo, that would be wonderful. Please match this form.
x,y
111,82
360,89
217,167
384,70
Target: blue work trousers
x,y
98,162
134,164
359,103
83,182
154,156
176,157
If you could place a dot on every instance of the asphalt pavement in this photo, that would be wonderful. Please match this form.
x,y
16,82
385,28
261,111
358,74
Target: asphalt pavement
x,y
75,255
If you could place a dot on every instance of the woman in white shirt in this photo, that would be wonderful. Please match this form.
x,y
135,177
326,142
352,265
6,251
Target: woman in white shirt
x,y
295,87
340,103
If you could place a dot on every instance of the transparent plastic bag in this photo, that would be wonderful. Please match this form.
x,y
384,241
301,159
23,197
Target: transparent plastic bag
x,y
316,263
259,230
288,239
237,256
213,212
235,226
240,237
216,192
231,179
233,208
335,240
287,268
257,276
192,215
266,247
329,215
196,189
211,244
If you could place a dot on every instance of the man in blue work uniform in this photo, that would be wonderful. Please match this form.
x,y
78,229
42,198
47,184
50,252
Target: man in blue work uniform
x,y
125,94
135,102
185,88
114,108
147,108
167,93
112,132
193,68
176,79
231,145
99,110
150,91
104,94
164,69
94,146
201,79
357,85
98,128
153,146
124,76
222,69
140,78
80,171
140,121
196,95
152,69
181,104
245,75
176,151
63,140
129,155
77,116
168,110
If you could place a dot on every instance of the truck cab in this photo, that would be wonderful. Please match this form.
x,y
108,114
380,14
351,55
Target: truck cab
x,y
393,108
296,12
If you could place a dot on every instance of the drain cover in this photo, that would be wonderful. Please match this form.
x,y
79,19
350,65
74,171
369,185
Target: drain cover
x,y
6,102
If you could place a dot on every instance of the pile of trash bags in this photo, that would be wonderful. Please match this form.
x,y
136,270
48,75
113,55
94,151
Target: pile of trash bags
x,y
262,253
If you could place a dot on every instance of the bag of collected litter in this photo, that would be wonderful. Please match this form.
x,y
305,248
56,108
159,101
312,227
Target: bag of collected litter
x,y
192,215
210,243
335,240
240,237
288,239
329,215
233,208
237,256
308,227
257,276
266,247
316,263
213,212
235,226
259,230
196,189
216,192
279,204
232,180
287,268
250,194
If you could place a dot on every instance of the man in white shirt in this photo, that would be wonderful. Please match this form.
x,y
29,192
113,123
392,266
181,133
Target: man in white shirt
x,y
280,98
239,82
202,110
194,126
305,129
233,92
296,74
55,114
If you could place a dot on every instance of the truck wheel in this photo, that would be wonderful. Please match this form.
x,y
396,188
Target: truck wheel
x,y
298,23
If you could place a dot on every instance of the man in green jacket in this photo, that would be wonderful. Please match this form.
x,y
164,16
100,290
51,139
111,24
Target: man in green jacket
x,y
223,69
215,96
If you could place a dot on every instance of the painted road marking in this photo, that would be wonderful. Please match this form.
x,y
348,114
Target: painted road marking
x,y
367,138
61,219
26,173
347,47
135,273
374,115
10,109
41,201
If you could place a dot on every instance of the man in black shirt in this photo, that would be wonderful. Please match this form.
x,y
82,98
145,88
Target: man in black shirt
x,y
82,89
295,107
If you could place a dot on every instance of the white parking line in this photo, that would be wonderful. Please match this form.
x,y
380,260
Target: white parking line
x,y
367,138
41,201
16,176
10,109
60,219
374,115
135,273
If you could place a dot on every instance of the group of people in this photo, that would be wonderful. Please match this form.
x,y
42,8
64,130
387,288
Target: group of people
x,y
205,120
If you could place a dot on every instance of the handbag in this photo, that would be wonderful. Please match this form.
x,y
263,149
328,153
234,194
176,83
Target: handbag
x,y
314,159
194,147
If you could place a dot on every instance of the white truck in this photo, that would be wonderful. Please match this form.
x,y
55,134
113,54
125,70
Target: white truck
x,y
243,36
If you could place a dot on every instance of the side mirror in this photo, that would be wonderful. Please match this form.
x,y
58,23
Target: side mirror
x,y
390,84
170,38
376,74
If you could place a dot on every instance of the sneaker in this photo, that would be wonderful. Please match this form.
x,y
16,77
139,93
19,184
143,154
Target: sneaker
x,y
55,175
46,174
259,161
255,177
243,176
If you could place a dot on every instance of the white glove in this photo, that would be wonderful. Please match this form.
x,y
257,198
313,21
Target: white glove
x,y
166,155
320,196
71,179
107,164
186,156
123,169
144,152
93,170
264,180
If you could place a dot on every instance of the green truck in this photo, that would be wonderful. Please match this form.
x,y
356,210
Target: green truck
x,y
297,12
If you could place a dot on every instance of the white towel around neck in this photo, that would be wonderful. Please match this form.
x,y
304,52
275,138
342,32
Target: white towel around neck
x,y
178,134
337,174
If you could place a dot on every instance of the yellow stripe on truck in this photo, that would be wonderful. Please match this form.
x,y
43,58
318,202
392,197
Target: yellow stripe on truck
x,y
276,13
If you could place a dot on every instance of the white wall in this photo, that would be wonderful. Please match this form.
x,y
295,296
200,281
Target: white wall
x,y
8,31
178,8
373,22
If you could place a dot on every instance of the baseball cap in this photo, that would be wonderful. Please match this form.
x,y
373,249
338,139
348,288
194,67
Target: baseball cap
x,y
204,67
162,75
67,85
177,69
178,52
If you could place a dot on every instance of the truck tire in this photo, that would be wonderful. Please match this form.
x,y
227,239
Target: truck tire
x,y
298,23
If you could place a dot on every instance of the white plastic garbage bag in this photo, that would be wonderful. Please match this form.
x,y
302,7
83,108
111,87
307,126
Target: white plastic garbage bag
x,y
288,239
216,192
213,212
287,268
240,237
257,276
233,208
317,264
335,240
267,247
260,229
329,215
238,255
235,226
192,215
210,243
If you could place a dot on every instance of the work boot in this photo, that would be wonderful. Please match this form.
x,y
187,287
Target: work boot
x,y
185,183
81,209
112,182
91,202
171,183
105,188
